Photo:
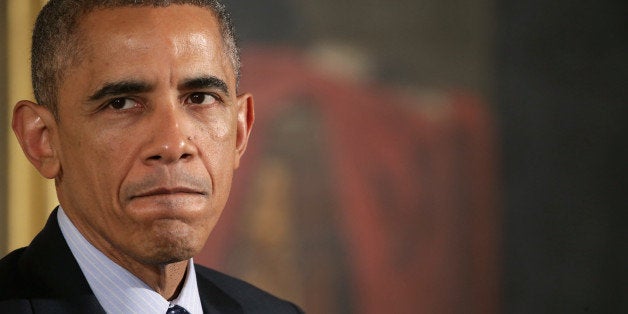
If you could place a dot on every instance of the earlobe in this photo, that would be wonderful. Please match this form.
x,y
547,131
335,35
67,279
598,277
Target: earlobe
x,y
246,118
34,126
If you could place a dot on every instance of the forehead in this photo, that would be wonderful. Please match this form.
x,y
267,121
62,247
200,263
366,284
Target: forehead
x,y
128,39
125,18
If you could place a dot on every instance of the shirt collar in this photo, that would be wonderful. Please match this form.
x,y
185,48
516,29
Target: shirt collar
x,y
117,290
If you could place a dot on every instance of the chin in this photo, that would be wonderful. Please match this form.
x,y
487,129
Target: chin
x,y
170,255
173,244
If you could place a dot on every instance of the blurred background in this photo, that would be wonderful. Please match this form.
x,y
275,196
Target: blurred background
x,y
410,156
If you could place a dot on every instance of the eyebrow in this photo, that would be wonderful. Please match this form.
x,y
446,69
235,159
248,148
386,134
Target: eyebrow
x,y
205,82
120,88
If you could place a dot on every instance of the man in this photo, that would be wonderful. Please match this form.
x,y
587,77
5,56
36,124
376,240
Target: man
x,y
140,125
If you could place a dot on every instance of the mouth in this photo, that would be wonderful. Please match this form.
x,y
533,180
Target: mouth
x,y
164,191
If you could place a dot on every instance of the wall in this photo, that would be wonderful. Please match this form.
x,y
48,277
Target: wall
x,y
29,197
4,111
561,92
369,184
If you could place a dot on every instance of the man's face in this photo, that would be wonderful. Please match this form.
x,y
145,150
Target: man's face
x,y
150,131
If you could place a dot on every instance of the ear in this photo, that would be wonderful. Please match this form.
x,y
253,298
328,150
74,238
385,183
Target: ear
x,y
246,117
34,126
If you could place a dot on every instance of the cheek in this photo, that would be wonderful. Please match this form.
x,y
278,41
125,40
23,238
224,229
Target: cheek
x,y
98,161
218,134
219,129
216,149
90,177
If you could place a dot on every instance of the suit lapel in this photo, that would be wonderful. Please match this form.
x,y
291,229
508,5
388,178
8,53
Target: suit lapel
x,y
58,279
214,300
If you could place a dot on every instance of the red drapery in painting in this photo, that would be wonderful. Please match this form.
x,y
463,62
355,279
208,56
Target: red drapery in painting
x,y
412,178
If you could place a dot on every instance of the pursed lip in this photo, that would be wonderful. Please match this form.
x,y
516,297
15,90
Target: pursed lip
x,y
169,191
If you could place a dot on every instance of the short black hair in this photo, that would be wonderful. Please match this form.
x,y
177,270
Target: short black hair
x,y
55,43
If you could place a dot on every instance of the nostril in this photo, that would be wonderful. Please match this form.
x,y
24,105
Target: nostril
x,y
186,156
166,153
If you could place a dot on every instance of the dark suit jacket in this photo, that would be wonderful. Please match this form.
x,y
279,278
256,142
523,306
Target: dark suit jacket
x,y
45,278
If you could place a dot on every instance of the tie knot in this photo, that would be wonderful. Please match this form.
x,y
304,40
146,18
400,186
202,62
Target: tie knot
x,y
177,310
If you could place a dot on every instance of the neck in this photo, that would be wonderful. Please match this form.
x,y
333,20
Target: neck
x,y
167,280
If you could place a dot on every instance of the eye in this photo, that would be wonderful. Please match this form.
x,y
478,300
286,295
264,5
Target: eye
x,y
201,99
122,103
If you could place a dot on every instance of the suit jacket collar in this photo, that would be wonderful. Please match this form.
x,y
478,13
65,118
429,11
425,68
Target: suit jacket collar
x,y
215,300
64,289
49,262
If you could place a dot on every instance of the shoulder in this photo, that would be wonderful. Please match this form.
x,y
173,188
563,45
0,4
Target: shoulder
x,y
250,298
12,285
9,262
11,281
15,306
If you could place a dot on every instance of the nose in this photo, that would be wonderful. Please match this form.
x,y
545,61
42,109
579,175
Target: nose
x,y
170,135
